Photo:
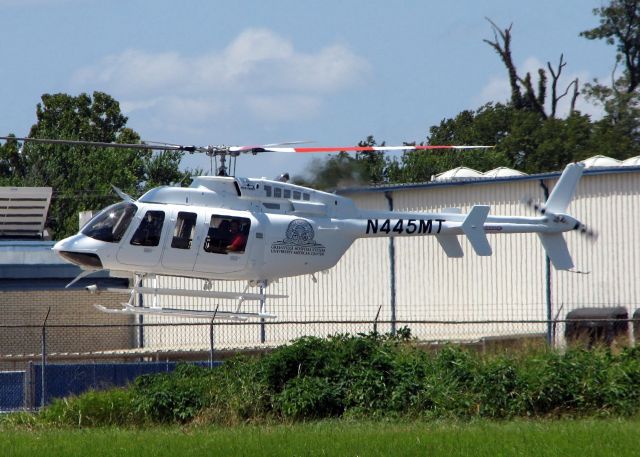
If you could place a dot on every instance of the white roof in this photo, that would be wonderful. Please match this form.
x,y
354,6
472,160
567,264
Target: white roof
x,y
502,172
601,161
458,173
631,162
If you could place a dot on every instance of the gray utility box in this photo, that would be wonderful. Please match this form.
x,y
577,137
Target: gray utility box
x,y
636,325
591,326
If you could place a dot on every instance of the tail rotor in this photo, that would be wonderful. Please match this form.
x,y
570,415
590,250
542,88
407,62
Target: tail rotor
x,y
583,229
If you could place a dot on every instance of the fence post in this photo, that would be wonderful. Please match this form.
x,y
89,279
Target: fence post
x,y
547,275
29,394
43,377
392,268
375,321
211,337
263,330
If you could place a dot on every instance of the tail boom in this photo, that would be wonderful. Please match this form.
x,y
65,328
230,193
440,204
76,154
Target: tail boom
x,y
475,225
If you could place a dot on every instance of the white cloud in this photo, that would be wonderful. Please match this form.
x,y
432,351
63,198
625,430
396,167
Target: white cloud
x,y
258,80
135,72
498,88
259,72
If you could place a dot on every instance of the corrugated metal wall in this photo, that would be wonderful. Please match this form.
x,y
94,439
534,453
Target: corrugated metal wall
x,y
611,204
510,285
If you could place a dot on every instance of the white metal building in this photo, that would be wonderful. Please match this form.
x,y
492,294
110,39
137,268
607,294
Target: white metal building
x,y
412,279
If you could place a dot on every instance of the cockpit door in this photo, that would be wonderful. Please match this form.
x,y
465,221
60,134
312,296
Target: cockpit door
x,y
181,246
227,243
144,247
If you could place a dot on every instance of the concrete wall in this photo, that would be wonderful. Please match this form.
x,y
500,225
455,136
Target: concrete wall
x,y
23,309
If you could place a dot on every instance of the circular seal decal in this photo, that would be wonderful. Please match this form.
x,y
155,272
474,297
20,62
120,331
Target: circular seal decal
x,y
299,232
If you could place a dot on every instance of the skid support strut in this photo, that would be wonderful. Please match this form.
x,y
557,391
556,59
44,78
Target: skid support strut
x,y
263,310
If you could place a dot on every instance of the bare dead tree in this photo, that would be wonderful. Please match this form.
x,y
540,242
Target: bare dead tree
x,y
532,99
574,97
504,51
555,98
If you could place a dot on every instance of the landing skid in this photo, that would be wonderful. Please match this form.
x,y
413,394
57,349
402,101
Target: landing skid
x,y
244,296
238,314
222,315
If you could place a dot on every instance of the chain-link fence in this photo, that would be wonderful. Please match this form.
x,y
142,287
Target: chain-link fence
x,y
64,363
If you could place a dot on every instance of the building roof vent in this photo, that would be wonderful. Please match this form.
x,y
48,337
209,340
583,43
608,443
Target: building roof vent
x,y
601,161
458,174
502,172
631,162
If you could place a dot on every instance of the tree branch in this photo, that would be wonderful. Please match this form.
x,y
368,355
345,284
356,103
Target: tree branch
x,y
504,52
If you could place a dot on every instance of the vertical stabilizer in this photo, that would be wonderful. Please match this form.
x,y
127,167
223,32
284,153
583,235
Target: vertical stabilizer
x,y
563,192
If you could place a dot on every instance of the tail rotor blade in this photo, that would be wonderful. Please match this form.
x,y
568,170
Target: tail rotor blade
x,y
531,203
587,232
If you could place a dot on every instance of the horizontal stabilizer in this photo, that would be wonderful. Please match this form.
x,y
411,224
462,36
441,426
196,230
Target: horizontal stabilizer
x,y
191,313
451,245
556,248
562,193
473,227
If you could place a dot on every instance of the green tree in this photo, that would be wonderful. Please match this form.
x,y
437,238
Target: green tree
x,y
620,128
340,170
486,126
81,176
620,26
343,169
372,163
11,163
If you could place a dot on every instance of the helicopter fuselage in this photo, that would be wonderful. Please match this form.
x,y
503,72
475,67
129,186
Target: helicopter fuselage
x,y
261,230
284,230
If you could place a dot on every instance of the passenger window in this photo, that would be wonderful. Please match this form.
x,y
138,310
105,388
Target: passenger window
x,y
306,197
296,195
267,191
227,235
150,229
184,231
277,192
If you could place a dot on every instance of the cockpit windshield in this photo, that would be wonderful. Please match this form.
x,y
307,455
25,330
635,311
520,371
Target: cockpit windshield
x,y
111,223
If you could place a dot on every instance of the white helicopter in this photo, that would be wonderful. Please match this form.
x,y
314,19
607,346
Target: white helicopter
x,y
259,230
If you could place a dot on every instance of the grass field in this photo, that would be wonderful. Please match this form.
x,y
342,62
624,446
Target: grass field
x,y
564,438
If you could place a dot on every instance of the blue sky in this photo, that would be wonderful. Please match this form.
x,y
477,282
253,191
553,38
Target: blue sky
x,y
251,72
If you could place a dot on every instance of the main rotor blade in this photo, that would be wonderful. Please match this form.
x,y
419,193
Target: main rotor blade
x,y
234,150
99,144
369,148
265,147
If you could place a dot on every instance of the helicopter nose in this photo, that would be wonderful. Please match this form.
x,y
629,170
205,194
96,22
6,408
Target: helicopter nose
x,y
77,249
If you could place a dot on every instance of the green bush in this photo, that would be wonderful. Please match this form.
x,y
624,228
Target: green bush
x,y
111,407
371,376
172,397
309,398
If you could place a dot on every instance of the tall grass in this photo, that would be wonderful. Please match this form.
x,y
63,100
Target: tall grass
x,y
561,438
369,376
